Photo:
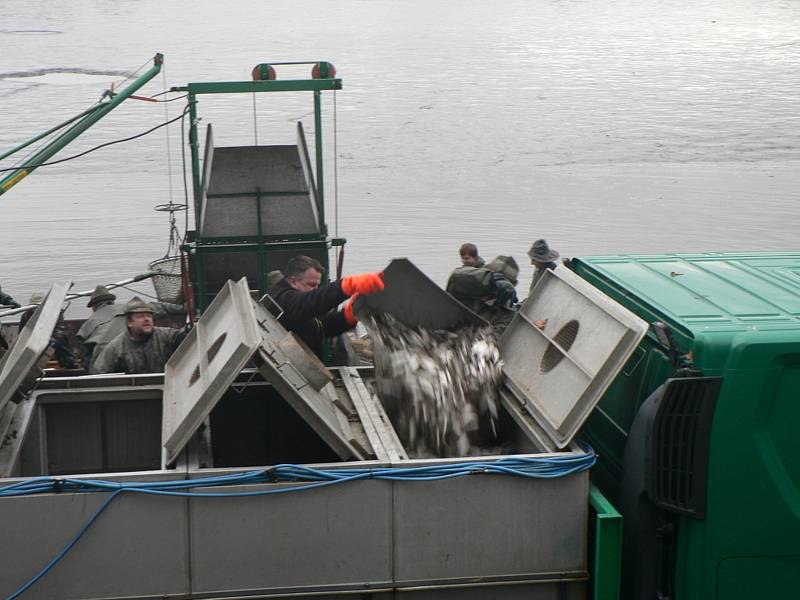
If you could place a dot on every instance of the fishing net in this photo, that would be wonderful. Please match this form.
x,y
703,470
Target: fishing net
x,y
168,280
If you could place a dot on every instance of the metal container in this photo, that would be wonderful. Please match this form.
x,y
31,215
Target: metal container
x,y
512,536
478,536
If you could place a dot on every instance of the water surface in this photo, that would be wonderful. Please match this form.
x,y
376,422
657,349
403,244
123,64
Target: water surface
x,y
604,126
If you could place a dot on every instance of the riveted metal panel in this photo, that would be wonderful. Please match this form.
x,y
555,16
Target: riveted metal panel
x,y
336,536
206,363
254,190
560,371
245,169
33,340
485,526
226,217
137,548
15,419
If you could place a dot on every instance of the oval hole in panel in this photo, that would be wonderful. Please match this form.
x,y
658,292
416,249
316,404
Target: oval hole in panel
x,y
214,349
564,338
195,375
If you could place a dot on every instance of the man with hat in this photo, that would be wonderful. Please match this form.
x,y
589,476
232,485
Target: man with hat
x,y
106,322
142,347
542,257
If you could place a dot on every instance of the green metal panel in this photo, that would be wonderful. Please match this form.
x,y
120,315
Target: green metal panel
x,y
739,317
753,474
607,547
268,256
766,577
709,292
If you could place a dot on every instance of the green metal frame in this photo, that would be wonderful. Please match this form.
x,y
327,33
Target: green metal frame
x,y
607,547
255,87
84,121
260,243
261,249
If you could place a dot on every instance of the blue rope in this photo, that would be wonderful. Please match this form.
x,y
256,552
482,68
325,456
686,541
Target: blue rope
x,y
540,467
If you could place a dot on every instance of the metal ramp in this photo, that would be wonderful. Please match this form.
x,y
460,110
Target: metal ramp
x,y
264,191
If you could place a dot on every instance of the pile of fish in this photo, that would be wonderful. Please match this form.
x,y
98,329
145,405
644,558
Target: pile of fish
x,y
440,388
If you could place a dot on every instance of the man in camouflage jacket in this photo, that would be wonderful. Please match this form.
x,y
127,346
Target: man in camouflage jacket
x,y
142,347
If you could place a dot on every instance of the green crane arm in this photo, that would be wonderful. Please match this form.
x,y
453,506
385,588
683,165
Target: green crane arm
x,y
87,119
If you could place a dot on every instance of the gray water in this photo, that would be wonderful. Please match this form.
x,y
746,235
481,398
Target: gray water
x,y
603,126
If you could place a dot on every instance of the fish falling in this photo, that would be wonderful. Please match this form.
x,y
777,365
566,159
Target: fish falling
x,y
440,388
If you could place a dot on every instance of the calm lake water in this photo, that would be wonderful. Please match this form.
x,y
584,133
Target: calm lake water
x,y
603,126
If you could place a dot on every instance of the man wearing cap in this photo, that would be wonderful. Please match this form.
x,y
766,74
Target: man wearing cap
x,y
542,257
309,309
142,347
106,322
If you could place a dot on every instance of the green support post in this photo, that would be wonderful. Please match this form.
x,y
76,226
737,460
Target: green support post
x,y
607,547
194,147
318,142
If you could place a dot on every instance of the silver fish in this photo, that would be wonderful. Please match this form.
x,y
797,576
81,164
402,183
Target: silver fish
x,y
442,386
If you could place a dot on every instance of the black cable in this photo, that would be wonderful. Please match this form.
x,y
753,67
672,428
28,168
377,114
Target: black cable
x,y
185,185
172,99
48,137
128,139
153,98
164,92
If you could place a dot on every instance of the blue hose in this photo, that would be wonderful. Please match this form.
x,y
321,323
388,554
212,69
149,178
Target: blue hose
x,y
537,467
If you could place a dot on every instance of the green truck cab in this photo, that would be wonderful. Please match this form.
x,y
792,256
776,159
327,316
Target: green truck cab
x,y
695,436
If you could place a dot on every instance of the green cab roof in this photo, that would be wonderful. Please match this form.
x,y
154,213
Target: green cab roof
x,y
704,292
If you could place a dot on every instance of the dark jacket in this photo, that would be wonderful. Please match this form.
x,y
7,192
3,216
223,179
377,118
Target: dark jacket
x,y
6,300
312,316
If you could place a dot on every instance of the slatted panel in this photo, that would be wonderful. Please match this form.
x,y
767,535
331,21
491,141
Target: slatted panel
x,y
680,444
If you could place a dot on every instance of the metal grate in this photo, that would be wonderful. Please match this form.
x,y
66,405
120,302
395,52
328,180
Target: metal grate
x,y
680,444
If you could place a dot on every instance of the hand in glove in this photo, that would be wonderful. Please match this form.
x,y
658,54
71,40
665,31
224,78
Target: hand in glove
x,y
366,283
348,311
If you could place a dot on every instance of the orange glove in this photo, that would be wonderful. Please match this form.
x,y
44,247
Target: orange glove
x,y
348,311
366,283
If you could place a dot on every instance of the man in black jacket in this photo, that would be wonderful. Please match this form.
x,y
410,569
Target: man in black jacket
x,y
309,309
